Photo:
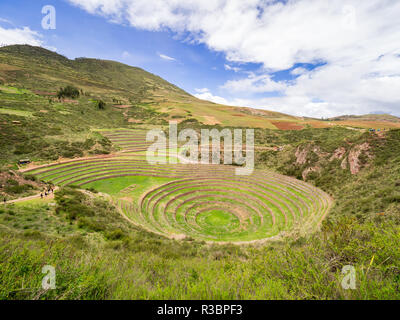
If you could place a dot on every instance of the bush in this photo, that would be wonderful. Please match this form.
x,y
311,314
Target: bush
x,y
68,91
116,234
72,203
30,177
101,105
18,189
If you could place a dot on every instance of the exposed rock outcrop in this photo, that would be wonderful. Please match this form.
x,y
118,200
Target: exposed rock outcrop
x,y
343,165
301,156
338,154
354,157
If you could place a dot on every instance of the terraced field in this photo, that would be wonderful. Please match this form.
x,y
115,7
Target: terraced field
x,y
205,202
128,140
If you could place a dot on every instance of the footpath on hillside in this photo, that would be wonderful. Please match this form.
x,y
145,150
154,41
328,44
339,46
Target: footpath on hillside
x,y
36,196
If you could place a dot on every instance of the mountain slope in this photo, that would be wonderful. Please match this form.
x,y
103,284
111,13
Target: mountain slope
x,y
44,72
367,117
41,70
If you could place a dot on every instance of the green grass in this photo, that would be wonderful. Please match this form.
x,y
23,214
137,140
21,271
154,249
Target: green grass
x,y
19,113
13,90
218,222
114,186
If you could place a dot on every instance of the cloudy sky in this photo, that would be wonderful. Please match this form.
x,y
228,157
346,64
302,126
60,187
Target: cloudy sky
x,y
304,57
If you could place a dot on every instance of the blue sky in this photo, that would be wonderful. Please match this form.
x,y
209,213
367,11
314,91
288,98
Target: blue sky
x,y
278,55
79,34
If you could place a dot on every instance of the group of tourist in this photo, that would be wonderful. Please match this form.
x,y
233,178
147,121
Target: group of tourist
x,y
46,191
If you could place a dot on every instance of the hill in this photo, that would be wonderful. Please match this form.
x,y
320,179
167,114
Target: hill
x,y
43,71
368,117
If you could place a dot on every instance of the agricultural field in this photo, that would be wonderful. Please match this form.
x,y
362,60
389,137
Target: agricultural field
x,y
205,202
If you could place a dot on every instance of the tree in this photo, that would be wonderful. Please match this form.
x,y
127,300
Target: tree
x,y
101,105
68,91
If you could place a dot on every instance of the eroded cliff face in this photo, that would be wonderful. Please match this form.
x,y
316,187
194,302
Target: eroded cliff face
x,y
354,158
339,153
301,156
355,153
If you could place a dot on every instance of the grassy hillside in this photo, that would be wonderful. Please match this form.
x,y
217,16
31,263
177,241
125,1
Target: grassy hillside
x,y
43,72
368,117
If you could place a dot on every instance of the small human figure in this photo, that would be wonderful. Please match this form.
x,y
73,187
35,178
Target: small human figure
x,y
5,200
41,195
45,194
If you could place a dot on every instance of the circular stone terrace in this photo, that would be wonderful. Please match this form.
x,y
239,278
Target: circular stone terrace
x,y
204,202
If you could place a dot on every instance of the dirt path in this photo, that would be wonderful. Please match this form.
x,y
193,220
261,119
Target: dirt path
x,y
33,166
50,196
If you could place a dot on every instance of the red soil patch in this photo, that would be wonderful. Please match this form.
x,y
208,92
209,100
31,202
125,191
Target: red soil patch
x,y
283,125
44,93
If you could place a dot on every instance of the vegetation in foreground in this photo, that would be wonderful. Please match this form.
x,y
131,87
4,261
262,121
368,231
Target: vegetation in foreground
x,y
99,255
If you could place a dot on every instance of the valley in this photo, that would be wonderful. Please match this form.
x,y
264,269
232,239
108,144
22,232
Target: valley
x,y
323,194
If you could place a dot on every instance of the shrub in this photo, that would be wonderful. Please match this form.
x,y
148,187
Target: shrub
x,y
101,105
116,234
18,189
30,177
68,91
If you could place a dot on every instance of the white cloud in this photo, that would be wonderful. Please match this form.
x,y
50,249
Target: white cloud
x,y
2,20
254,84
205,94
230,68
125,55
356,39
20,36
298,71
202,90
165,57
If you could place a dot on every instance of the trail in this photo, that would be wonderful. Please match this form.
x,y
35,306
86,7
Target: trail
x,y
51,196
